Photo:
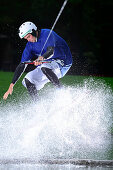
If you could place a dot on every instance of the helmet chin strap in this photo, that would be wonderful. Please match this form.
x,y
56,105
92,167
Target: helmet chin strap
x,y
34,33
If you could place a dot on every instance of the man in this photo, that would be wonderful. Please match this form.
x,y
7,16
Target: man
x,y
53,49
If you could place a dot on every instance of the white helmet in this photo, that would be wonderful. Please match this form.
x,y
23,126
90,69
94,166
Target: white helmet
x,y
26,28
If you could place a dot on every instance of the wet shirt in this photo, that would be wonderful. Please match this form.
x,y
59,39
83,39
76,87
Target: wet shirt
x,y
61,49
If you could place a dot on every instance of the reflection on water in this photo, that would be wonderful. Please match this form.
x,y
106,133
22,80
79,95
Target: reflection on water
x,y
50,167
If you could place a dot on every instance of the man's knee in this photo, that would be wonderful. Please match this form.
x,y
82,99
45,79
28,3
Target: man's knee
x,y
45,69
31,89
30,86
51,75
28,83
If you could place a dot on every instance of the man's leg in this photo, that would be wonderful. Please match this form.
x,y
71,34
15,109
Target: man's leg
x,y
31,89
51,76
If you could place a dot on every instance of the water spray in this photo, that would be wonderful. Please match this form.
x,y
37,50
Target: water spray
x,y
73,122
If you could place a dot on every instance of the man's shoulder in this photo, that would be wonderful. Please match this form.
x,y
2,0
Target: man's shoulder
x,y
28,45
45,30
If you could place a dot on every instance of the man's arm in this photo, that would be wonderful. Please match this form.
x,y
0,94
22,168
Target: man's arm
x,y
47,54
18,72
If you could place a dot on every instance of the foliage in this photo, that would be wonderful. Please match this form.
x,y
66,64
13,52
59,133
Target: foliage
x,y
85,25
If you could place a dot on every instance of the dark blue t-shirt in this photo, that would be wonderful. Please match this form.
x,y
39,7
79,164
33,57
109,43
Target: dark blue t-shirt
x,y
61,49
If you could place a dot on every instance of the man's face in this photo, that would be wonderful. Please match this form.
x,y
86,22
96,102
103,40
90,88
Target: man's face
x,y
30,38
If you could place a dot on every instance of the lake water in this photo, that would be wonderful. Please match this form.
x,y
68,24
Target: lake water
x,y
73,122
50,167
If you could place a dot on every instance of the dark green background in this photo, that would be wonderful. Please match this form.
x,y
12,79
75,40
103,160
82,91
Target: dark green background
x,y
86,25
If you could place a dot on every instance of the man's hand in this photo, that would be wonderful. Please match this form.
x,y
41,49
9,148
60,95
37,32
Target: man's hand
x,y
38,61
9,91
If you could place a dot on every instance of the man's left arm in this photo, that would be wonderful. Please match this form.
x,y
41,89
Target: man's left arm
x,y
48,54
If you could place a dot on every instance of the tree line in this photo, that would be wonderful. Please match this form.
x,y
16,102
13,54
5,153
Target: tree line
x,y
85,25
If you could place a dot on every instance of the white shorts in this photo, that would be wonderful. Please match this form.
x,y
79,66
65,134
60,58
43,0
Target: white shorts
x,y
38,78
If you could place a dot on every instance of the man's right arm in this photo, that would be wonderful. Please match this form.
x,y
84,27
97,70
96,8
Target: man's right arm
x,y
18,72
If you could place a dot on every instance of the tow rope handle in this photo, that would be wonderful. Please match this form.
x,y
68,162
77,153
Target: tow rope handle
x,y
32,62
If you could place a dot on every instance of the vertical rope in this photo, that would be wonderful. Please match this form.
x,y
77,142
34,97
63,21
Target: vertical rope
x,y
62,8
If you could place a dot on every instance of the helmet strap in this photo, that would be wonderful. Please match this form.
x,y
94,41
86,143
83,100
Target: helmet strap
x,y
34,33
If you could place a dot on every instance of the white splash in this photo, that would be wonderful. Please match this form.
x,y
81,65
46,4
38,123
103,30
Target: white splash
x,y
66,123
